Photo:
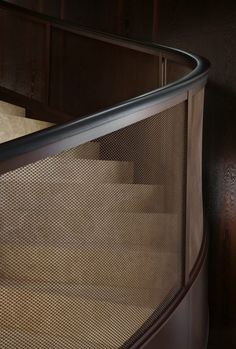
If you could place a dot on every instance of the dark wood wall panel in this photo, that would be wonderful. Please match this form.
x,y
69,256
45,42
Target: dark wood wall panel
x,y
102,15
67,72
88,75
137,19
48,7
129,18
23,58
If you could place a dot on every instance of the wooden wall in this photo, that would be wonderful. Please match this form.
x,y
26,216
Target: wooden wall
x,y
132,18
88,75
23,55
48,7
129,18
208,28
63,75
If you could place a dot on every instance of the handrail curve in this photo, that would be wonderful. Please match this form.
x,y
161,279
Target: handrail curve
x,y
115,114
48,142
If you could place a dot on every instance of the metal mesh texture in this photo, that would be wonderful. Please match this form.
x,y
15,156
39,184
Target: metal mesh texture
x,y
91,239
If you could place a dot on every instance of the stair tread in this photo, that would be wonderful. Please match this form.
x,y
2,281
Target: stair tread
x,y
25,340
12,126
152,230
97,266
122,197
63,169
11,109
89,150
45,313
144,297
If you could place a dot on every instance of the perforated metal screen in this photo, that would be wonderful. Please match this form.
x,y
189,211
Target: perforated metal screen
x,y
91,239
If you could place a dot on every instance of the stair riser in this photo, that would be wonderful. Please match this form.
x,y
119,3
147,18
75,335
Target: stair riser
x,y
154,231
140,297
61,170
16,339
129,269
90,150
52,314
109,197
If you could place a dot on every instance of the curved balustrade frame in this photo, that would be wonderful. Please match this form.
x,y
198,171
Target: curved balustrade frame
x,y
65,136
37,146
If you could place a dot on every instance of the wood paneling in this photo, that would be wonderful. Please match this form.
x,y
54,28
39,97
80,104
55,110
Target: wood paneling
x,y
23,55
48,7
130,18
176,71
88,75
137,19
99,14
65,71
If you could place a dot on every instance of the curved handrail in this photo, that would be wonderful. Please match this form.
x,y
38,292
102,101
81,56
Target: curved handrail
x,y
33,147
114,117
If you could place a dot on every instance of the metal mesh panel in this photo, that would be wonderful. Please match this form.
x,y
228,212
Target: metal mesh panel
x,y
91,239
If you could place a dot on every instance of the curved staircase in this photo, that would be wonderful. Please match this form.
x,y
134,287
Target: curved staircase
x,y
102,239
69,279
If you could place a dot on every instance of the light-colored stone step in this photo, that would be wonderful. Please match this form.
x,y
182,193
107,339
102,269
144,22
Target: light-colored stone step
x,y
52,314
89,150
158,231
61,169
105,197
18,339
12,127
144,297
11,109
111,267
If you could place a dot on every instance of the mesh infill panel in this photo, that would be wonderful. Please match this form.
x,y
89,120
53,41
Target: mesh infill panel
x,y
91,239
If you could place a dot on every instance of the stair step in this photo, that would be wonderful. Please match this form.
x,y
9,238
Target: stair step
x,y
12,127
144,297
50,314
17,339
97,266
122,229
60,170
89,150
11,109
105,197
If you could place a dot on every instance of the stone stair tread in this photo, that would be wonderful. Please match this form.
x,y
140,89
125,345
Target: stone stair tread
x,y
89,150
144,297
91,227
86,255
97,266
63,169
11,109
86,320
106,197
12,127
19,339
